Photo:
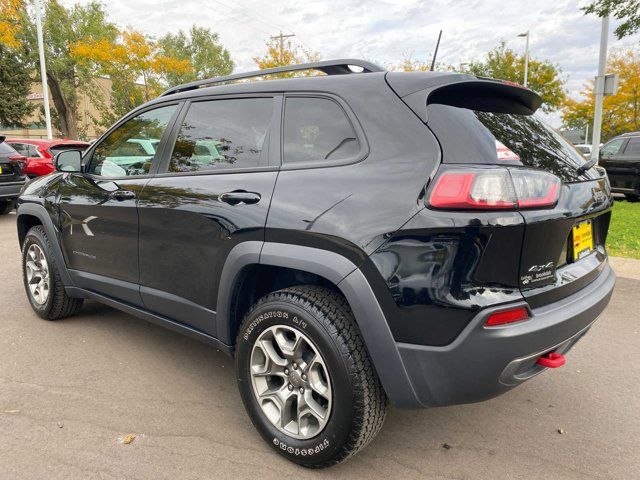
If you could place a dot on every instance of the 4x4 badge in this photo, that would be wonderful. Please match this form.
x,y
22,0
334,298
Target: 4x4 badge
x,y
597,195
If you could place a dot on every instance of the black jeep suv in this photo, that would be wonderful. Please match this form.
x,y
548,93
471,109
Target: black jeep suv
x,y
12,179
620,157
350,238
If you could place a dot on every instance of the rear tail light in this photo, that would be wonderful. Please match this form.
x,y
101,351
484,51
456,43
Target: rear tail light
x,y
507,316
494,189
19,159
45,152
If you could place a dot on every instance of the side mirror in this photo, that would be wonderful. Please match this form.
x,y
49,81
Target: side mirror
x,y
68,161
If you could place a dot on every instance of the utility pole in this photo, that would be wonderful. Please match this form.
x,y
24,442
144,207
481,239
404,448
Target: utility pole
x,y
43,71
599,89
281,38
435,53
526,57
586,134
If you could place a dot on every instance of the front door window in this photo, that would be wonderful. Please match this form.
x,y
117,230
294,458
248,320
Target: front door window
x,y
131,148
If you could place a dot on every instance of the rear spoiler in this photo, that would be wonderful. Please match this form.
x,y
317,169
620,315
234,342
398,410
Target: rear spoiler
x,y
461,90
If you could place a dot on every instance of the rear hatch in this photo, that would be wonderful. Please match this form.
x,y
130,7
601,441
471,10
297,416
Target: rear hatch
x,y
61,147
10,170
481,123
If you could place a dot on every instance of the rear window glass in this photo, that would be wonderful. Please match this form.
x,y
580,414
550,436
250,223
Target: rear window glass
x,y
633,147
6,149
317,130
469,136
222,134
68,146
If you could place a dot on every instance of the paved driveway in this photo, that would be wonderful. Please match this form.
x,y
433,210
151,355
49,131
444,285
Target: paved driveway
x,y
71,390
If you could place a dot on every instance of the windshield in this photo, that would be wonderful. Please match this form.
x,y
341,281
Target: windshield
x,y
504,138
582,149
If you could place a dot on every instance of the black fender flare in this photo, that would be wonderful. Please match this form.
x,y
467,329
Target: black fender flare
x,y
350,281
41,213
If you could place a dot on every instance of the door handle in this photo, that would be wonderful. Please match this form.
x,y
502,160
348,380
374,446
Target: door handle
x,y
238,197
121,195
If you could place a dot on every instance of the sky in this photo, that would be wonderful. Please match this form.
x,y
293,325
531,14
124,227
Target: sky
x,y
387,31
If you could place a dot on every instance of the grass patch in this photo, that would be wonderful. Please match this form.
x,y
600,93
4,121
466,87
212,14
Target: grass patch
x,y
624,232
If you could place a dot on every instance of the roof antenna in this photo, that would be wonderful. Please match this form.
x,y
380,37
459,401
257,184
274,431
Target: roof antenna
x,y
433,62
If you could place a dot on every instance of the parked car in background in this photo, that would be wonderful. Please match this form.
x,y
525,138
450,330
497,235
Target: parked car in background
x,y
12,179
351,239
584,149
620,157
39,153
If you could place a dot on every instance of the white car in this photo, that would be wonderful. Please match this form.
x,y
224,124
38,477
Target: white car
x,y
584,149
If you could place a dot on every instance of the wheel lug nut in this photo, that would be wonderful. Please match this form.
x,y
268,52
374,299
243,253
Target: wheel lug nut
x,y
304,376
286,371
290,387
301,390
295,365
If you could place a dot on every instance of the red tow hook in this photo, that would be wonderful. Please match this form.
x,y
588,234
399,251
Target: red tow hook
x,y
552,360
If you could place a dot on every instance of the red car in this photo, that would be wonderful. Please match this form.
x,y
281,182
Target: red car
x,y
39,153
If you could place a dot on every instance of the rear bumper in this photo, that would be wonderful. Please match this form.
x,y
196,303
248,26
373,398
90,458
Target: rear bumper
x,y
485,362
11,190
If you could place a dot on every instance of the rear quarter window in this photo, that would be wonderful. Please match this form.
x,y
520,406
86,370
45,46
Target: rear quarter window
x,y
316,130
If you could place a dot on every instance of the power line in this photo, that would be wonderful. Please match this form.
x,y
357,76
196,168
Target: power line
x,y
271,24
259,29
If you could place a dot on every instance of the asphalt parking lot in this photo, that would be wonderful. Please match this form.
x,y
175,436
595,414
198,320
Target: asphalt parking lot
x,y
71,390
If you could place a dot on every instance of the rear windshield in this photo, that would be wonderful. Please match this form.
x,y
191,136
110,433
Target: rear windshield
x,y
68,146
6,149
469,136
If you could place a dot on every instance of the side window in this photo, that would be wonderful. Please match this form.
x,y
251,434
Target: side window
x,y
612,148
130,149
33,151
633,147
21,148
219,134
317,129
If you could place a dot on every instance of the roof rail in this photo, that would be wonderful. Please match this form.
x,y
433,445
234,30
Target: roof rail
x,y
329,67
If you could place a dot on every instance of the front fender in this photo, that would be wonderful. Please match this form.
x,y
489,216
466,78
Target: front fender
x,y
39,212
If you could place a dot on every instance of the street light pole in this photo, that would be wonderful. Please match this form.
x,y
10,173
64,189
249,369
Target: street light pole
x,y
526,57
599,90
43,71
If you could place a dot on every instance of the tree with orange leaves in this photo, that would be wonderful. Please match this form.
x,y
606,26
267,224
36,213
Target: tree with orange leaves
x,y
281,52
621,112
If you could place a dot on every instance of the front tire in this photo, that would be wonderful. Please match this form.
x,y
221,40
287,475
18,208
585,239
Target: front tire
x,y
632,197
41,277
306,378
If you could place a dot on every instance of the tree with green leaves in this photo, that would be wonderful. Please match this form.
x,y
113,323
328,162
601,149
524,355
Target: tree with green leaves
x,y
502,63
201,48
66,77
626,10
15,84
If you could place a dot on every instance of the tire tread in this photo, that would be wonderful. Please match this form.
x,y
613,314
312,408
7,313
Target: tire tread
x,y
62,305
370,400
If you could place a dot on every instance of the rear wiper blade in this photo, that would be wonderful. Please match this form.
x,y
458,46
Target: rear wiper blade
x,y
586,166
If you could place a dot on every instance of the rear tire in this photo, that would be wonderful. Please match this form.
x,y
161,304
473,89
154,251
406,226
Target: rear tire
x,y
7,206
336,427
41,277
